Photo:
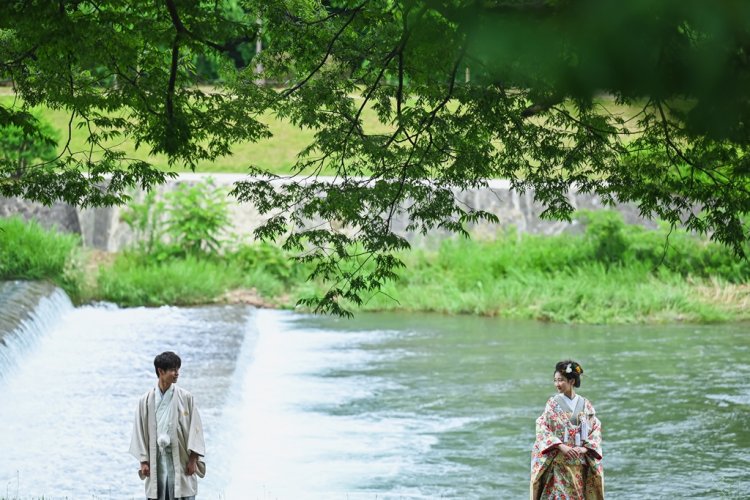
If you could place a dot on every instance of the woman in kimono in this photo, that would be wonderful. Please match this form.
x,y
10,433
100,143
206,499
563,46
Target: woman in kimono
x,y
567,453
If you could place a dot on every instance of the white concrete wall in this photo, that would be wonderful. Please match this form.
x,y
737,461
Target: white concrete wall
x,y
102,228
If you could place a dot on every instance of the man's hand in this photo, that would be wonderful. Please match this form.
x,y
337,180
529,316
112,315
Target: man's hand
x,y
192,464
145,469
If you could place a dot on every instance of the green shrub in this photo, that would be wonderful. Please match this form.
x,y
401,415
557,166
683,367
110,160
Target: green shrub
x,y
145,219
267,268
138,279
197,218
605,234
192,220
612,273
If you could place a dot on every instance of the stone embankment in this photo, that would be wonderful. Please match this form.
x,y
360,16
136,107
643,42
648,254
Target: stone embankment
x,y
102,228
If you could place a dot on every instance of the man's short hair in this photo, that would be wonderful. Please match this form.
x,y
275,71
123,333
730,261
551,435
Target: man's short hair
x,y
166,361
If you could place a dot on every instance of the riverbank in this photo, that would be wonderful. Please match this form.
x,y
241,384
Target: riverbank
x,y
608,273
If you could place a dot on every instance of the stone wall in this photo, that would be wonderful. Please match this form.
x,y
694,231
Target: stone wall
x,y
102,228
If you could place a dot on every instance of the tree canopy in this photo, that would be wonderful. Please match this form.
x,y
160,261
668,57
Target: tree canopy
x,y
644,101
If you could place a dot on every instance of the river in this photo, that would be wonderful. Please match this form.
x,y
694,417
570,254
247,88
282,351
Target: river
x,y
384,406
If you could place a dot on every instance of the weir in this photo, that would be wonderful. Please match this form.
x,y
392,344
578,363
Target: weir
x,y
27,311
74,376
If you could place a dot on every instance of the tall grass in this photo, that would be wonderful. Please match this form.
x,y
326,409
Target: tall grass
x,y
589,293
31,252
612,273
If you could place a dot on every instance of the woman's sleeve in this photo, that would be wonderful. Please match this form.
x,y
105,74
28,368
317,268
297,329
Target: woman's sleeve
x,y
594,441
544,443
546,439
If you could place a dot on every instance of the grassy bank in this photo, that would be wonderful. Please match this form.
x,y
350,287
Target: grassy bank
x,y
610,273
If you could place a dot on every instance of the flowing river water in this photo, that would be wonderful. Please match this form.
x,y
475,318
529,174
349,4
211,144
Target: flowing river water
x,y
384,406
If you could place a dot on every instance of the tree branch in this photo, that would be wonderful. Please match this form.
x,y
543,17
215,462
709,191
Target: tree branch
x,y
671,145
328,52
182,30
173,77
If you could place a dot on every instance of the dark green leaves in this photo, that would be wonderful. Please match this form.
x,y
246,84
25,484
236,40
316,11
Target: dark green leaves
x,y
641,101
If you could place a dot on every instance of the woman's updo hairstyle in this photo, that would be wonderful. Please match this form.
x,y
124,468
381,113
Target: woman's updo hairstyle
x,y
570,370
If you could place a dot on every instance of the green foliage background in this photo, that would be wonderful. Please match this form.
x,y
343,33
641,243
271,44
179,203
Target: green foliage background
x,y
461,92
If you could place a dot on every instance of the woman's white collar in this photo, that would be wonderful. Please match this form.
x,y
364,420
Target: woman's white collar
x,y
570,401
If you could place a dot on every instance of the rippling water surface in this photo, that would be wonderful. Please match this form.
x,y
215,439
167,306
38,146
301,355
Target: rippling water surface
x,y
382,406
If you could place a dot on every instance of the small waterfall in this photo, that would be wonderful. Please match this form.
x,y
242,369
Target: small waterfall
x,y
27,310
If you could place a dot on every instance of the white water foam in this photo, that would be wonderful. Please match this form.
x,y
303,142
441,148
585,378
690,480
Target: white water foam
x,y
289,449
32,325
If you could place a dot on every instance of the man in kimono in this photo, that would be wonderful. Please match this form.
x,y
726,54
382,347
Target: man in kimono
x,y
168,436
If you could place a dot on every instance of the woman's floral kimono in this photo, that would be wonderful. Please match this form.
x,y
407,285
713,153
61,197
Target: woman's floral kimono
x,y
552,475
